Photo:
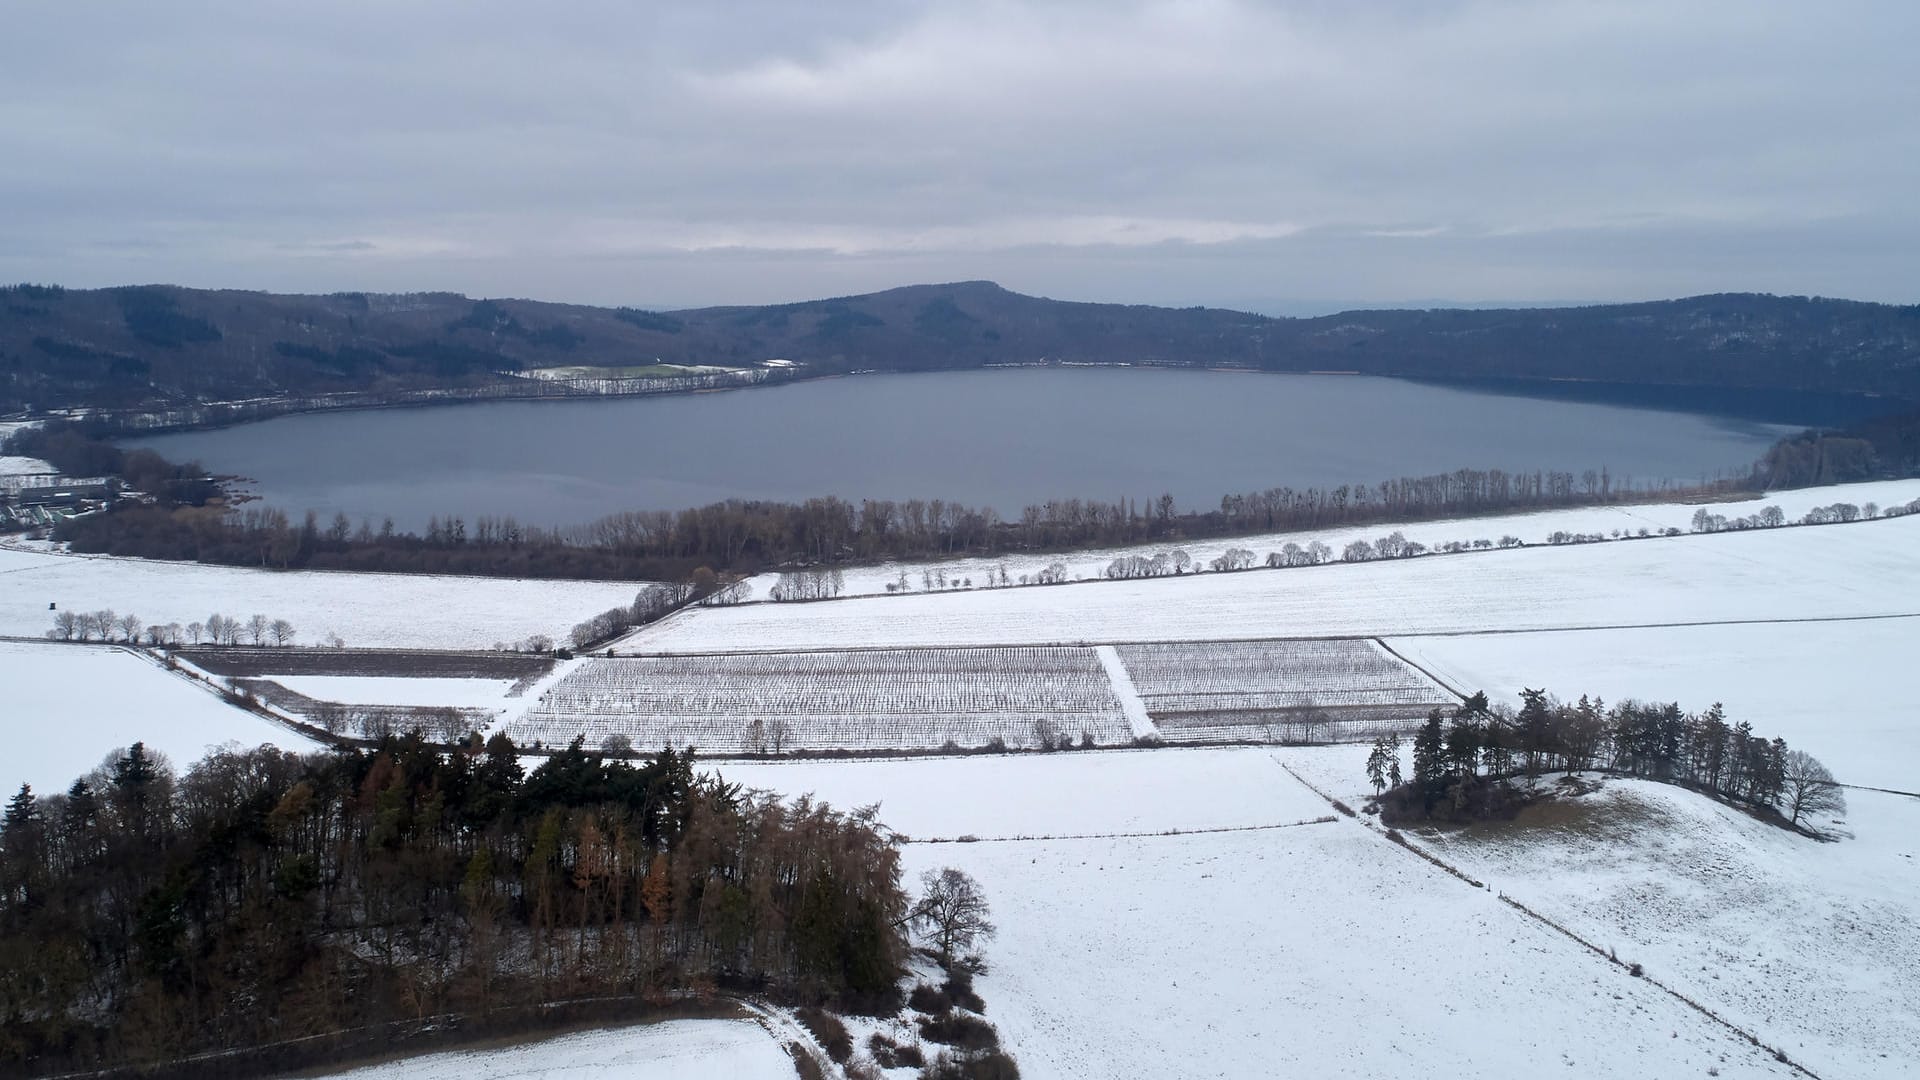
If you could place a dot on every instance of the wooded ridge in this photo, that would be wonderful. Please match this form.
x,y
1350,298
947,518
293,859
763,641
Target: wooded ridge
x,y
159,346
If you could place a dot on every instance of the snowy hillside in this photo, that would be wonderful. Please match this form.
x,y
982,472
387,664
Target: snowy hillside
x,y
66,706
1531,528
365,610
1822,572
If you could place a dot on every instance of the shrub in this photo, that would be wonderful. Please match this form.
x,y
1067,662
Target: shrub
x,y
959,989
960,1031
831,1033
891,1055
926,999
992,1065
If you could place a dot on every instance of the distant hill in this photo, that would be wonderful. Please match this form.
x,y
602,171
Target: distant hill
x,y
163,345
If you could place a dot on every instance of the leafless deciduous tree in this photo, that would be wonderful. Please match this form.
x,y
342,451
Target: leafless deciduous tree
x,y
281,632
952,912
1810,789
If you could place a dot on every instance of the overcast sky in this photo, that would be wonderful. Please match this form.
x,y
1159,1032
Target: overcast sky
x,y
1284,156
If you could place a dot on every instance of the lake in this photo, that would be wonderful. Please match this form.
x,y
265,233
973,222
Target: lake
x,y
1004,438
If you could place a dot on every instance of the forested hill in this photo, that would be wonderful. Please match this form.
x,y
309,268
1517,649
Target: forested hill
x,y
166,345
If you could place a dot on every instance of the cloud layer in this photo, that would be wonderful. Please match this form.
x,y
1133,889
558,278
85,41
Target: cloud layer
x,y
1218,152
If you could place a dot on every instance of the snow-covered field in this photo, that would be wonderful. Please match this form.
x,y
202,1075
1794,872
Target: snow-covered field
x,y
672,1050
1532,528
12,465
1319,951
1842,691
1067,793
64,708
1814,943
383,690
1867,568
365,610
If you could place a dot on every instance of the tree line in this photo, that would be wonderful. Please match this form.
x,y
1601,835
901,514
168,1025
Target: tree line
x,y
218,629
1465,762
262,896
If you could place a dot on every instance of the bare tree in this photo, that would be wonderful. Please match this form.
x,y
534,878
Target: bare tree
x,y
195,631
1809,788
952,912
777,735
281,631
67,625
257,628
129,625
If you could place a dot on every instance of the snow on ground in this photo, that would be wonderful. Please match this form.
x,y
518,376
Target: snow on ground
x,y
386,690
1067,793
671,1050
63,708
13,465
1842,691
1812,943
1533,528
1866,568
365,610
1320,950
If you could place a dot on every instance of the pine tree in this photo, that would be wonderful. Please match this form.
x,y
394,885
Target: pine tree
x,y
1377,765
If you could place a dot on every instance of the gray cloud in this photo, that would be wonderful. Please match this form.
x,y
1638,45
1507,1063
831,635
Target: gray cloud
x,y
1174,152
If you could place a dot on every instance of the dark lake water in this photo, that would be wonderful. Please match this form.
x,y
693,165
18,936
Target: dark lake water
x,y
1002,438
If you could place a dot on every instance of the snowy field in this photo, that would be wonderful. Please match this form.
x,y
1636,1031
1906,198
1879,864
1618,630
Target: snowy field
x,y
672,1050
1815,944
1842,691
381,690
1868,568
1532,528
365,610
64,708
12,465
1067,793
1319,951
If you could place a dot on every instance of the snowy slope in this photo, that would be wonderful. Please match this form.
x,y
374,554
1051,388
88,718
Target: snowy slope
x,y
1318,951
1072,792
366,610
1866,568
1813,943
1842,691
65,707
1533,528
672,1050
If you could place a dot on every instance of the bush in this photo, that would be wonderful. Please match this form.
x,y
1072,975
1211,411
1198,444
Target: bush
x,y
891,1055
928,1000
831,1033
960,1031
959,989
992,1065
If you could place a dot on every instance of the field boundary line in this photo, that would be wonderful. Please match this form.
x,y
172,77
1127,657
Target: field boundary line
x,y
1421,668
1131,704
1399,839
1204,831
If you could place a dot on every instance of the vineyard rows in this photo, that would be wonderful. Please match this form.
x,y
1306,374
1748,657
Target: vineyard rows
x,y
883,699
1280,691
1025,696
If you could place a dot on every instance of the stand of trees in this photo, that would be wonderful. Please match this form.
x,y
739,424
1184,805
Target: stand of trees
x,y
262,896
1464,762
